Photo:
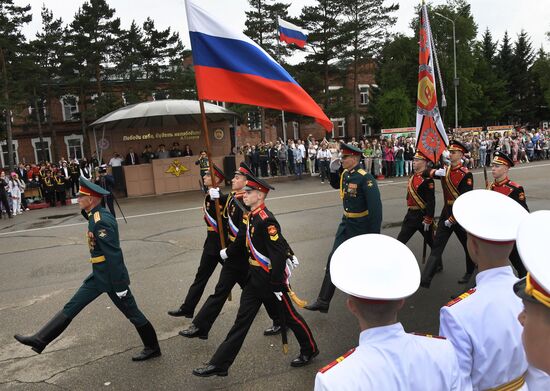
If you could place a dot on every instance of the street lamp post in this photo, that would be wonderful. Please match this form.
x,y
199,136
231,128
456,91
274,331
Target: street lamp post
x,y
455,81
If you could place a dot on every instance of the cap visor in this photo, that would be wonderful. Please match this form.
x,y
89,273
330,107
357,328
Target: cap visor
x,y
519,290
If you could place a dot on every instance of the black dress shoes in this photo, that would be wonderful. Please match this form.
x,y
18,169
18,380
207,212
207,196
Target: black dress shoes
x,y
465,278
181,312
318,305
209,370
193,332
303,359
273,330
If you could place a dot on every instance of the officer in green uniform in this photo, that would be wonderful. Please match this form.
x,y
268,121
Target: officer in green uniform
x,y
362,211
109,275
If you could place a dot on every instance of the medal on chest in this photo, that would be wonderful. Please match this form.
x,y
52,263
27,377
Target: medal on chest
x,y
91,240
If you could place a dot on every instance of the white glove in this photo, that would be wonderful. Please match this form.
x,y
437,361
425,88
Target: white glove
x,y
223,254
278,295
292,263
122,294
448,223
214,193
440,172
426,226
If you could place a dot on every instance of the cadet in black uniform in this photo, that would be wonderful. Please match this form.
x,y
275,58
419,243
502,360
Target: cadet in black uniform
x,y
420,203
211,249
362,212
235,267
48,185
60,188
74,175
500,166
109,275
267,251
263,154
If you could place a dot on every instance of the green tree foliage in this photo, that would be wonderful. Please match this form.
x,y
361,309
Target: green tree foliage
x,y
393,109
261,25
366,27
326,41
13,48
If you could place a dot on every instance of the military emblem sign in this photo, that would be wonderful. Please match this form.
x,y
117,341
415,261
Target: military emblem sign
x,y
431,138
176,168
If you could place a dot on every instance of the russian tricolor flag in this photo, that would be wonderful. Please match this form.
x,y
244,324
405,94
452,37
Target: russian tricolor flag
x,y
290,33
230,67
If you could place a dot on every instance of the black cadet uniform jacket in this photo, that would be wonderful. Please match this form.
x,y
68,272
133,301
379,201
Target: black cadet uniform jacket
x,y
212,245
267,249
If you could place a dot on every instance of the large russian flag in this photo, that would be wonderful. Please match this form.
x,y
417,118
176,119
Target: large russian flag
x,y
290,33
230,67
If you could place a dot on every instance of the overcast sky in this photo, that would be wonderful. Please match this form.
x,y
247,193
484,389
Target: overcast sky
x,y
498,15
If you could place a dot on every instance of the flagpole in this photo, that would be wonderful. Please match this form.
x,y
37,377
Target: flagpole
x,y
211,169
279,54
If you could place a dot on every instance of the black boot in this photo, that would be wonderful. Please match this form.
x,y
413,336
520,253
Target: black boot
x,y
325,296
151,346
318,305
181,312
46,334
432,266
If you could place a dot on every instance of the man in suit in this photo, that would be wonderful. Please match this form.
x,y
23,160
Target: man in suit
x,y
131,158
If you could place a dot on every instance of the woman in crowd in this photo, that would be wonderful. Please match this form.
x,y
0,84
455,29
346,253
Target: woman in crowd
x,y
483,151
389,159
399,155
376,158
15,194
367,153
409,156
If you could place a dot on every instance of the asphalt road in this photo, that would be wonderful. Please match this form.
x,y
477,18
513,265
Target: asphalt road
x,y
44,260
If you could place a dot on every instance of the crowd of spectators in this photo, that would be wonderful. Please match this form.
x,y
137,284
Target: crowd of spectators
x,y
389,156
386,156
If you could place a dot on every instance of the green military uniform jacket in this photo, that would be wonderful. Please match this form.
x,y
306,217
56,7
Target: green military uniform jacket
x,y
109,273
361,201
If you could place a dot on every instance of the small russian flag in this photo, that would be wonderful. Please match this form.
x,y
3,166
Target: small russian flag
x,y
290,33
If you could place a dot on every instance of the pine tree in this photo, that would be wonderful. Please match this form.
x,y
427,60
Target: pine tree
x,y
541,86
521,78
366,28
12,46
128,60
261,26
91,37
488,47
323,22
47,54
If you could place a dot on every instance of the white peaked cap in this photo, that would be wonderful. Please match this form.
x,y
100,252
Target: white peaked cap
x,y
489,215
376,267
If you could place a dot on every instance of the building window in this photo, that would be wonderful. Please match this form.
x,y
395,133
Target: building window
x,y
339,127
365,128
41,103
74,146
364,92
254,120
217,103
42,151
4,155
69,104
161,95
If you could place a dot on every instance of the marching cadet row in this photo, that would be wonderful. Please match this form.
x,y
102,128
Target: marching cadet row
x,y
270,261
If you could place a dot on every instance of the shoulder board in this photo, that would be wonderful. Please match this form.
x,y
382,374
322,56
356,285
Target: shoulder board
x,y
263,215
429,335
97,217
362,172
336,362
464,169
513,184
461,297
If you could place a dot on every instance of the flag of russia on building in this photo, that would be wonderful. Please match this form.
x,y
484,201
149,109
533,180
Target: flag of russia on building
x,y
290,33
230,67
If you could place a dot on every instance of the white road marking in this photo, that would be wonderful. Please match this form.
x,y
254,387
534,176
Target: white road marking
x,y
385,183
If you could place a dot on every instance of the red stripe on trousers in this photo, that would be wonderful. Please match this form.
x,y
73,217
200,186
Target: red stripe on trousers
x,y
300,323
